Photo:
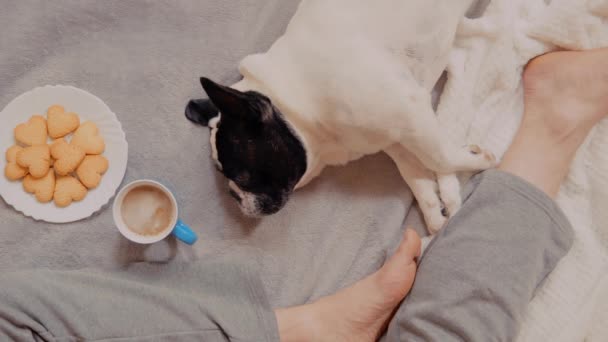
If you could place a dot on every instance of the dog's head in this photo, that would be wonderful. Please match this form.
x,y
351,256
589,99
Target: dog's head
x,y
252,145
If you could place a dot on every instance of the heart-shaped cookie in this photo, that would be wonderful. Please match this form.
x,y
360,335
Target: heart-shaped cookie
x,y
67,190
88,138
67,156
61,123
32,132
37,159
43,187
91,169
12,170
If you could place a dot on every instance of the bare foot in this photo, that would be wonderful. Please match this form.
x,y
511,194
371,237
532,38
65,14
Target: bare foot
x,y
565,95
360,312
567,90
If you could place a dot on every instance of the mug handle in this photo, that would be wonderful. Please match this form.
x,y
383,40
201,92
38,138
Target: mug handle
x,y
184,233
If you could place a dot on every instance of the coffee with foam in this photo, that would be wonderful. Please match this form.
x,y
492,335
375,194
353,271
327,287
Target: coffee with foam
x,y
147,210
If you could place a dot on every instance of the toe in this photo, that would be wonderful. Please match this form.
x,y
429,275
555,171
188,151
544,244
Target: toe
x,y
397,275
406,253
410,246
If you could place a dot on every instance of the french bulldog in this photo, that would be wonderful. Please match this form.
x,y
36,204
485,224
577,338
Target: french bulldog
x,y
348,78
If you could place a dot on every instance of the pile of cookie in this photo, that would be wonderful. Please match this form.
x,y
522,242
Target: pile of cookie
x,y
61,171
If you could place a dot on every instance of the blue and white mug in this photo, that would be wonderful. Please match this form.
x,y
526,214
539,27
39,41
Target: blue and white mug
x,y
176,227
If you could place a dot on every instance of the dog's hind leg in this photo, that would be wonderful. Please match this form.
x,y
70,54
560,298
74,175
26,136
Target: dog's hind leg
x,y
424,137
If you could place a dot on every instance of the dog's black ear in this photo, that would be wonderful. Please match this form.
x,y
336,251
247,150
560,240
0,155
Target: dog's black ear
x,y
201,111
230,102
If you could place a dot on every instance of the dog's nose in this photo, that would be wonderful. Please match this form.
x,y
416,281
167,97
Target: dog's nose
x,y
235,195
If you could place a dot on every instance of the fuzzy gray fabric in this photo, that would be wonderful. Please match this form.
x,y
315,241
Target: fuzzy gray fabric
x,y
144,58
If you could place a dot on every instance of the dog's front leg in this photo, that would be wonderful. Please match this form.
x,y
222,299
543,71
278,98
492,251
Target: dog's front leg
x,y
423,184
449,191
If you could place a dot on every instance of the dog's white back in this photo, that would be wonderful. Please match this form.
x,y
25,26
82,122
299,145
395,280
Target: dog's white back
x,y
354,77
338,60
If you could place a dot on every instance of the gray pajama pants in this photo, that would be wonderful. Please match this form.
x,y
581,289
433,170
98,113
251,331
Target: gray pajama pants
x,y
473,284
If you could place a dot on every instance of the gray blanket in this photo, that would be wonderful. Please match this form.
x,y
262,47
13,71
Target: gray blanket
x,y
144,58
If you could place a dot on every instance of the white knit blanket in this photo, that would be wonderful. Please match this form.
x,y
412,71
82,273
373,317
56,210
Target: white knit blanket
x,y
487,64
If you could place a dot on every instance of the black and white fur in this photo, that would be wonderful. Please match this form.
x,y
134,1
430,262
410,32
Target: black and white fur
x,y
348,78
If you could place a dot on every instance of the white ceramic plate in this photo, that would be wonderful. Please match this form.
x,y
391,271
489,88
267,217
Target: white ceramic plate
x,y
89,108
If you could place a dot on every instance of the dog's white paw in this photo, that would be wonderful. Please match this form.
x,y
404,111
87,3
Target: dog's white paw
x,y
449,191
434,219
431,207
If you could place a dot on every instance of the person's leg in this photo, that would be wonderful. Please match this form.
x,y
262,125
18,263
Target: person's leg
x,y
478,276
217,299
566,94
